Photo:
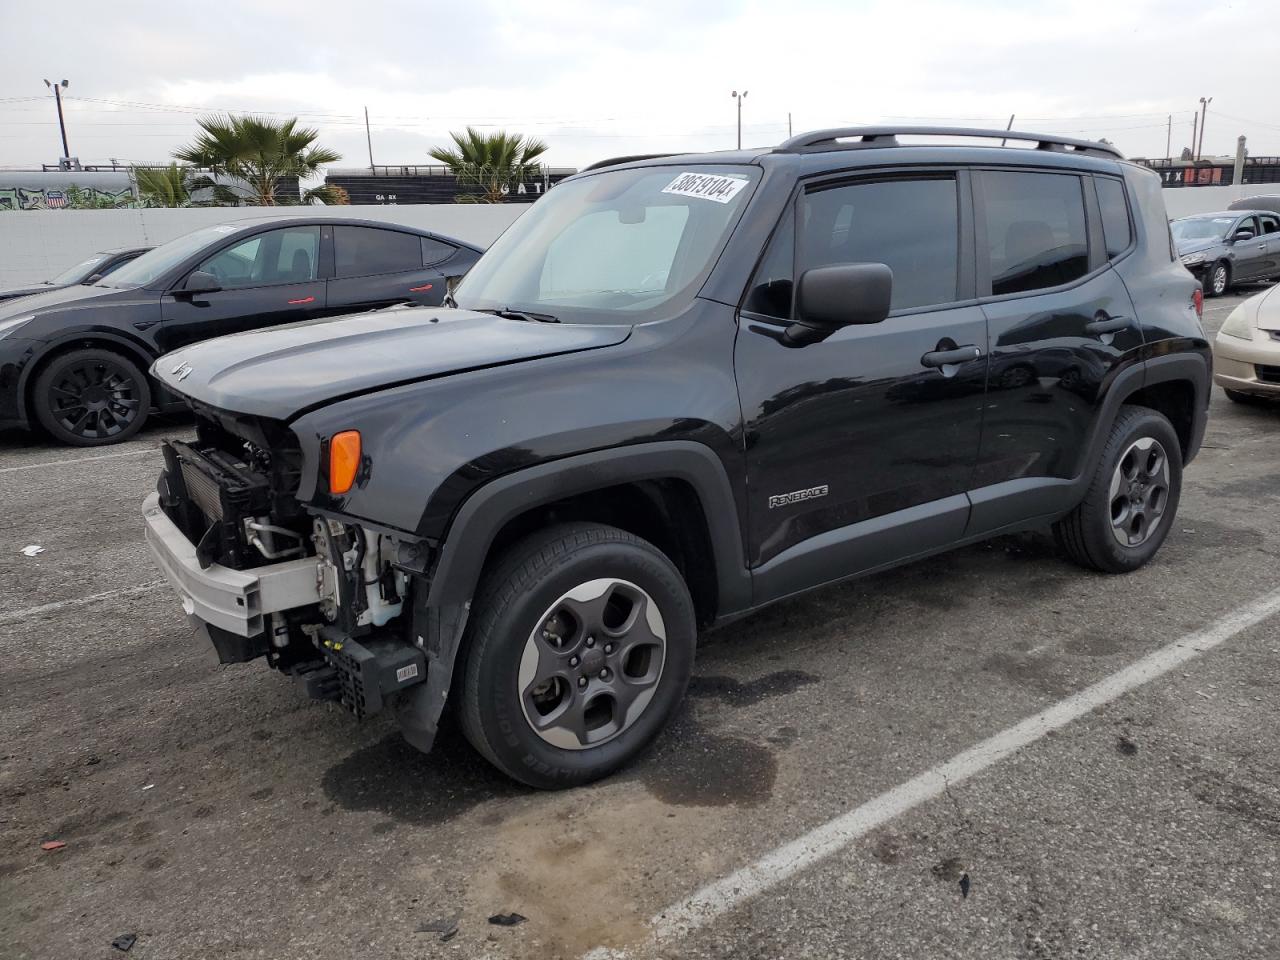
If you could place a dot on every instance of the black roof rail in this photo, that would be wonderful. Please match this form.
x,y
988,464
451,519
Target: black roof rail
x,y
614,161
863,137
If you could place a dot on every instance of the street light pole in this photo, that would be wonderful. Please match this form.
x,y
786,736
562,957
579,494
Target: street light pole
x,y
1204,111
740,99
57,89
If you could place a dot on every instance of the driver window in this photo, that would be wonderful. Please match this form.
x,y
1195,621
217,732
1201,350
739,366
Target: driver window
x,y
1248,223
279,256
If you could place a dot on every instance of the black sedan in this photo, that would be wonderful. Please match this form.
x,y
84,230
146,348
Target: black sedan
x,y
87,271
1221,249
73,360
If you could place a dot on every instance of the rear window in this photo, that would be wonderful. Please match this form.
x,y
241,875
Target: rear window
x,y
367,251
1115,215
1035,227
436,251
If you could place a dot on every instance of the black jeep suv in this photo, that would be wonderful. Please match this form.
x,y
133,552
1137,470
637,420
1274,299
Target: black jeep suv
x,y
677,389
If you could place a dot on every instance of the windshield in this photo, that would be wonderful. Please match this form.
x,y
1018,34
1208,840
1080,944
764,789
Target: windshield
x,y
155,263
1201,228
81,271
621,246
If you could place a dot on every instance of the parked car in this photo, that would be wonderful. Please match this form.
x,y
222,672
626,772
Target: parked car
x,y
677,390
72,360
1221,249
1246,354
1267,203
90,270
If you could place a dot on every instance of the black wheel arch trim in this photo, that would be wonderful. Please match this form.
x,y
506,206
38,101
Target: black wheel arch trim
x,y
86,340
476,524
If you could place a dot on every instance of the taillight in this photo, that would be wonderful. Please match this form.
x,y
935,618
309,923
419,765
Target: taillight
x,y
344,460
1197,301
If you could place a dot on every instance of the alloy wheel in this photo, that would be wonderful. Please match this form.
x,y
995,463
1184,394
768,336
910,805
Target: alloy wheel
x,y
1219,280
1139,492
94,399
592,664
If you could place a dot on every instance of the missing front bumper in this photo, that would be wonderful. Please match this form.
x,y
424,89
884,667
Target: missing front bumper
x,y
232,600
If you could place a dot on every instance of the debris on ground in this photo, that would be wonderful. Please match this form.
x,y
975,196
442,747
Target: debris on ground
x,y
148,786
53,845
1126,746
964,886
32,550
507,919
124,943
448,929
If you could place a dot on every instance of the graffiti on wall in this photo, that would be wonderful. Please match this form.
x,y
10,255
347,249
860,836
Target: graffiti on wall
x,y
58,198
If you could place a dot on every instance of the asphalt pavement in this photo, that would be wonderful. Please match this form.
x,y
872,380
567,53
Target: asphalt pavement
x,y
213,811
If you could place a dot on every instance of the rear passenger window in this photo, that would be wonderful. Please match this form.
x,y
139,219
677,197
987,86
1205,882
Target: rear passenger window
x,y
911,225
368,251
1115,215
436,251
1270,224
1035,230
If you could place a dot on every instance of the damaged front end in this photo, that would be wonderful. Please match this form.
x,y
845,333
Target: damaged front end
x,y
326,599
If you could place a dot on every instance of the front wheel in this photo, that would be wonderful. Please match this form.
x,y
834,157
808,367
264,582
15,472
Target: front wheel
x,y
580,649
89,398
1217,280
1132,499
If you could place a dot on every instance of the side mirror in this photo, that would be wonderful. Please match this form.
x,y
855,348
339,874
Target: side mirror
x,y
828,298
1244,233
201,281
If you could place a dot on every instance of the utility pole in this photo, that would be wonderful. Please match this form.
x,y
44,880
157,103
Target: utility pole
x,y
368,138
57,89
1168,140
1204,111
1195,125
739,99
788,124
1237,174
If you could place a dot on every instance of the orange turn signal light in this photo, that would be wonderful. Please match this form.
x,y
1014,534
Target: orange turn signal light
x,y
344,460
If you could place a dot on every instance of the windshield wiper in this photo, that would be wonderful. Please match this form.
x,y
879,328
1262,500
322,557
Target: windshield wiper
x,y
523,315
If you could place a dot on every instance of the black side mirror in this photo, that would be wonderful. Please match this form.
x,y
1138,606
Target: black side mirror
x,y
201,281
828,298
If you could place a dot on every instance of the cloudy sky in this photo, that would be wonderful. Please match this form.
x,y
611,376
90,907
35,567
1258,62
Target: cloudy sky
x,y
597,79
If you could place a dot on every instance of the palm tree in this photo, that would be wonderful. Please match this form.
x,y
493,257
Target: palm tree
x,y
164,186
490,161
259,152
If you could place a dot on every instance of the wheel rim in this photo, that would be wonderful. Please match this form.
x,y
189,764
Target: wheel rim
x,y
94,399
1139,492
592,664
1219,279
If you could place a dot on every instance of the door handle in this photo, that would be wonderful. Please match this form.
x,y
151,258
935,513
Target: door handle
x,y
940,358
1107,325
302,300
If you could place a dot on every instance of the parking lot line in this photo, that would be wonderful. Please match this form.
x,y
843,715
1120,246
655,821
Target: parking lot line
x,y
66,463
19,615
715,899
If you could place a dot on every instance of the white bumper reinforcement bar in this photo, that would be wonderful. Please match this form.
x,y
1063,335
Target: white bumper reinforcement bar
x,y
235,600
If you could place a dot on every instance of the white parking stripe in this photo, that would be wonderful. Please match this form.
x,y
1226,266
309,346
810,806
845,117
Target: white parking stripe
x,y
704,906
18,615
67,463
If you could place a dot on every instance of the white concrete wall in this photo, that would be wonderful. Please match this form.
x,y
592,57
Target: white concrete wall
x,y
37,244
1185,201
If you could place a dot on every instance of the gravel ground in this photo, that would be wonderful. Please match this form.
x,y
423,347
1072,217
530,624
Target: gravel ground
x,y
214,812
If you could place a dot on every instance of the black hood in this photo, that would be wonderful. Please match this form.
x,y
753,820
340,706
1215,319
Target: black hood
x,y
284,371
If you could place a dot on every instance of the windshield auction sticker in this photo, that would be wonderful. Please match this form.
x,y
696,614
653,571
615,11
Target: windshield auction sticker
x,y
705,186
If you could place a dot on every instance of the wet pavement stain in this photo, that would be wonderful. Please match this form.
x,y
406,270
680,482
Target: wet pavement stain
x,y
1258,809
1027,670
392,778
735,693
693,768
1096,645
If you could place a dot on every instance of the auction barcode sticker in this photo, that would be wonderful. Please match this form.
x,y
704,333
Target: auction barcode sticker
x,y
706,186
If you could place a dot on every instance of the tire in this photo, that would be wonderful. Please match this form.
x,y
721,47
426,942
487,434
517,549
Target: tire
x,y
1091,534
1217,280
91,397
526,657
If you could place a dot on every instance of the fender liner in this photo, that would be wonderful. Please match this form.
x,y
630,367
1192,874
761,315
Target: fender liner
x,y
484,513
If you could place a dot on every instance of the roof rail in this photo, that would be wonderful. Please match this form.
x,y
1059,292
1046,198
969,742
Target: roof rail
x,y
863,137
614,161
